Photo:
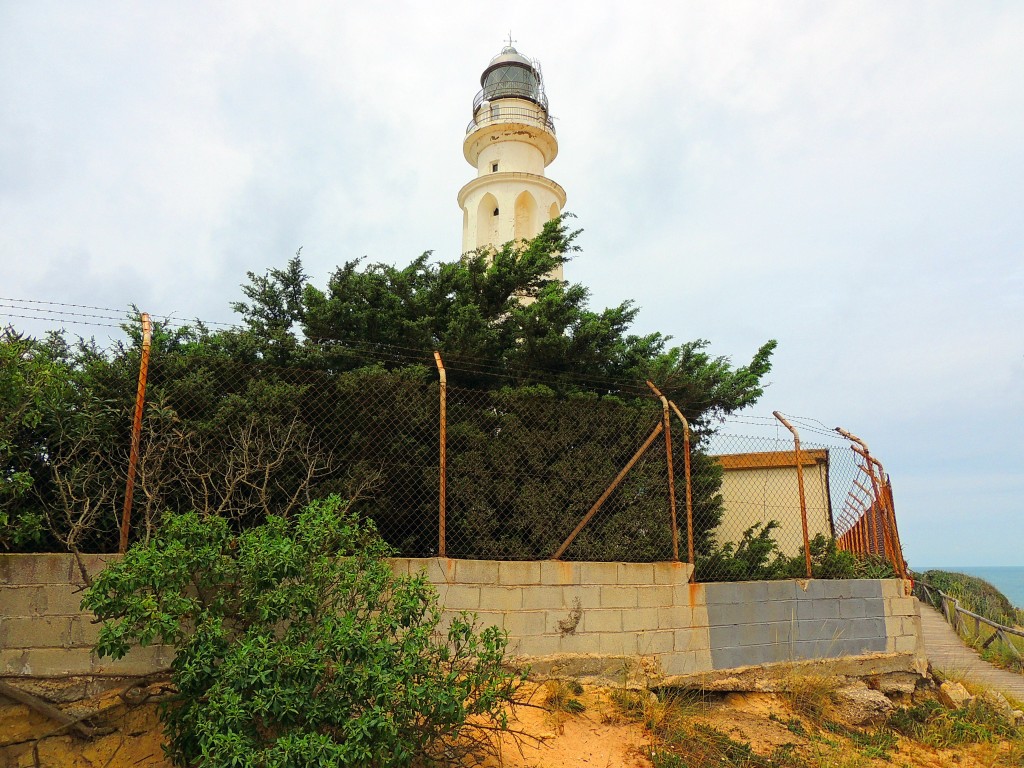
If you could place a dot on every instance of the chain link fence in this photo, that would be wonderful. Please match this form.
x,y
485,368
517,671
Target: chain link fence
x,y
449,469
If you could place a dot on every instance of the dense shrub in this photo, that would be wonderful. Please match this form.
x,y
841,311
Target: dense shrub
x,y
298,646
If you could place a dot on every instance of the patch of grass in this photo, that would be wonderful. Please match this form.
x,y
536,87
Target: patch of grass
x,y
810,695
694,745
975,595
935,726
561,697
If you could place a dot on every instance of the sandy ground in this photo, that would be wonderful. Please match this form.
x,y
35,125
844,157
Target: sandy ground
x,y
599,737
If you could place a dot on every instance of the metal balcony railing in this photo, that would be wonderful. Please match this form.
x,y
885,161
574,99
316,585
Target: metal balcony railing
x,y
511,89
504,114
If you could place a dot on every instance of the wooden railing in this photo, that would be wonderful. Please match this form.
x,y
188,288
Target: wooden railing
x,y
953,611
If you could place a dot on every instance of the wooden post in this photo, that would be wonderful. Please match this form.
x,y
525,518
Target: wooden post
x,y
133,458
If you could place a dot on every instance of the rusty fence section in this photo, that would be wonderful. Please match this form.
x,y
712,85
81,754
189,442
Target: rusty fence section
x,y
448,467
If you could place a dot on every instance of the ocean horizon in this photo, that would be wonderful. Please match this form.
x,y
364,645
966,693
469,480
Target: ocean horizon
x,y
1008,579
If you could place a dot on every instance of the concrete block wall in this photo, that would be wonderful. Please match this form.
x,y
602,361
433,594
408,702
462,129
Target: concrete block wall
x,y
44,632
766,622
562,608
604,612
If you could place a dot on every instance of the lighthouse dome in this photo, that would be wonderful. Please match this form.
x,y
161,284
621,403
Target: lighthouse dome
x,y
512,75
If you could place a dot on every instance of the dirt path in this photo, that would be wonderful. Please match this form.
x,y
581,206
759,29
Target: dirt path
x,y
948,653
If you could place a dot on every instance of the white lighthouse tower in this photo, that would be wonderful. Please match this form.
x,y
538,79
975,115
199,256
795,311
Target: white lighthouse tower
x,y
510,141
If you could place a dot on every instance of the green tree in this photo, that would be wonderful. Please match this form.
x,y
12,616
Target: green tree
x,y
298,646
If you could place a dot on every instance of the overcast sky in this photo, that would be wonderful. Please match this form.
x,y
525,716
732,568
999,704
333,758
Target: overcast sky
x,y
847,178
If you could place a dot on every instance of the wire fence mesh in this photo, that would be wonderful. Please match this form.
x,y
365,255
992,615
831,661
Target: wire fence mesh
x,y
446,467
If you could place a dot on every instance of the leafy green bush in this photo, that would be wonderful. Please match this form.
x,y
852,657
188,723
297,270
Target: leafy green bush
x,y
975,595
756,557
298,646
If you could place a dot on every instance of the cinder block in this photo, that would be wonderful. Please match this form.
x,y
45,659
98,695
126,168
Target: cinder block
x,y
599,573
720,593
635,573
485,618
654,597
544,597
723,636
639,619
902,606
439,570
825,608
23,601
84,633
852,608
909,625
672,573
616,596
752,634
559,572
687,663
691,640
891,587
64,600
47,661
874,606
501,598
782,590
779,610
537,645
905,644
864,587
650,643
689,594
459,597
578,644
818,589
700,616
478,571
676,617
139,661
400,566
804,610
820,629
525,623
518,573
751,591
869,627
589,596
35,632
614,643
780,632
37,569
601,621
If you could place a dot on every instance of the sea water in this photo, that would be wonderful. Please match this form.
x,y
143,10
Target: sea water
x,y
1008,579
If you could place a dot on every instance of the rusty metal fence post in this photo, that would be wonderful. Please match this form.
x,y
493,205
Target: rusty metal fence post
x,y
133,458
442,549
800,486
666,419
689,490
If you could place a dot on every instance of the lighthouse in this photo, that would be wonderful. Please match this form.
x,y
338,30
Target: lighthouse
x,y
510,141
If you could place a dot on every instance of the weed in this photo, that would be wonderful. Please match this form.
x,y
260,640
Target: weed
x,y
810,695
934,725
561,696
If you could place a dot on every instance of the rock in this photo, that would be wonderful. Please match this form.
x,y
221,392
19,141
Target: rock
x,y
1018,718
904,683
999,703
857,704
954,696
